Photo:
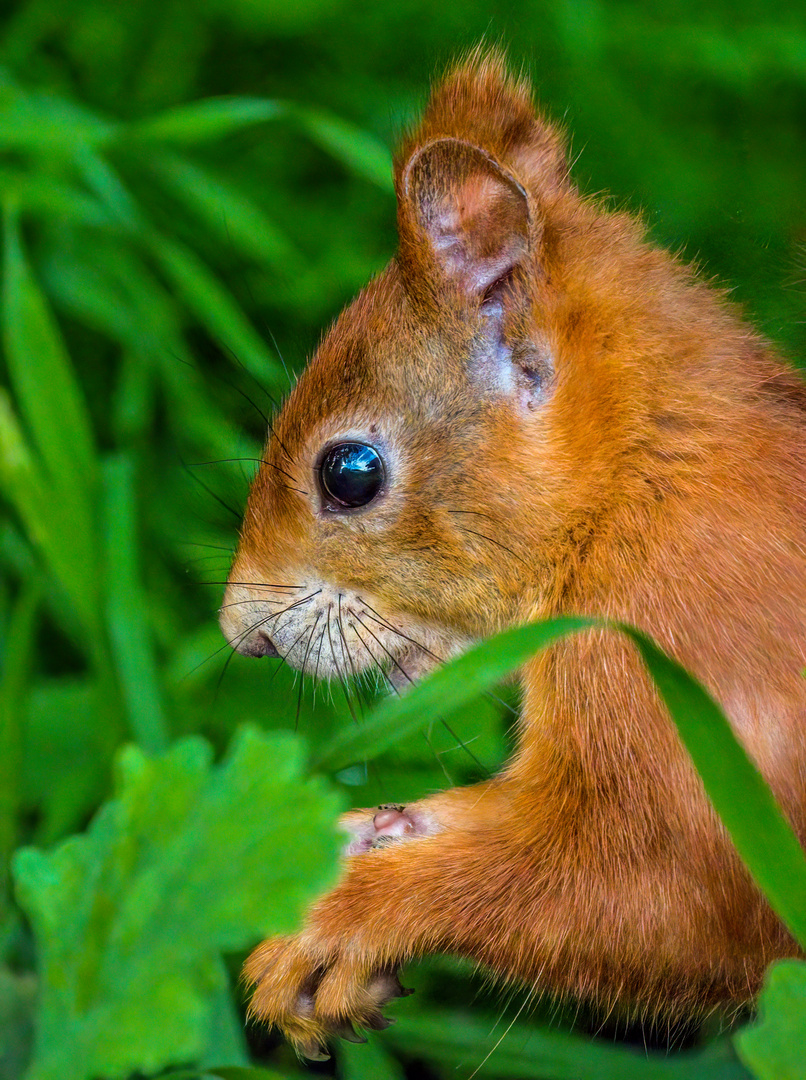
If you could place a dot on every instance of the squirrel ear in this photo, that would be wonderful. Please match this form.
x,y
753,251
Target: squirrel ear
x,y
474,214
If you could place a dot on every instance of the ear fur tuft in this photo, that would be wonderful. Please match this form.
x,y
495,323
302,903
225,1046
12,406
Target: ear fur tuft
x,y
481,103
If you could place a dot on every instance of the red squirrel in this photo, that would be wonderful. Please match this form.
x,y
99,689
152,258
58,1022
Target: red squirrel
x,y
534,411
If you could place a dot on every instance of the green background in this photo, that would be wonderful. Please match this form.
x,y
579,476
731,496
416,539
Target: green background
x,y
159,256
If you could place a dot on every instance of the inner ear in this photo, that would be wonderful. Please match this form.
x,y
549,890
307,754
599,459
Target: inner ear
x,y
474,214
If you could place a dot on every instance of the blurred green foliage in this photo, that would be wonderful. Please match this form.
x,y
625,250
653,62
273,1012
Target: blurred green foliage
x,y
190,192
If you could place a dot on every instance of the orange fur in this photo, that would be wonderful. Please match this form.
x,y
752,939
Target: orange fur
x,y
571,422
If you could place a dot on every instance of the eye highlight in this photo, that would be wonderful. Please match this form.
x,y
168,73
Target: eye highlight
x,y
351,474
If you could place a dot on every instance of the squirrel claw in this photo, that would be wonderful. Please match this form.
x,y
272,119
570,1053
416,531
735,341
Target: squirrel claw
x,y
385,986
376,1022
313,1051
345,1030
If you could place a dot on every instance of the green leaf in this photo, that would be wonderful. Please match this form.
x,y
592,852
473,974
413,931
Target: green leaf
x,y
236,1072
41,195
31,494
742,799
226,1042
368,1062
126,614
53,406
774,1047
43,378
16,650
361,152
17,1005
66,760
446,689
225,211
214,307
204,120
519,1052
251,1074
46,123
187,861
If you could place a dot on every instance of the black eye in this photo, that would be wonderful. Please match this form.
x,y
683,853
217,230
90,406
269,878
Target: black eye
x,y
351,474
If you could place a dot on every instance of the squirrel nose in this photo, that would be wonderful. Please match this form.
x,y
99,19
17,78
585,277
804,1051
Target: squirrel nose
x,y
257,644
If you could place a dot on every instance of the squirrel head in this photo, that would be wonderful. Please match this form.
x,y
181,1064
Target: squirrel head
x,y
464,417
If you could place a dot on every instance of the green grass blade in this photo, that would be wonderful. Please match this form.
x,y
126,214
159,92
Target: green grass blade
x,y
361,152
125,609
46,123
16,652
449,687
110,189
521,1052
65,552
233,217
43,379
46,196
740,796
355,148
202,121
215,307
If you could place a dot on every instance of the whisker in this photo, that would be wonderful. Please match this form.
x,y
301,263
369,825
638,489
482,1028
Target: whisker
x,y
460,742
251,600
213,547
383,622
236,641
259,461
360,696
442,721
339,675
319,656
476,513
302,668
379,619
213,495
497,543
361,701
402,670
270,332
255,584
438,758
378,667
199,559
230,643
223,672
263,389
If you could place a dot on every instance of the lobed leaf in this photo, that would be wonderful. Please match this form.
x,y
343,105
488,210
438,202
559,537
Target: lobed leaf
x,y
188,860
773,1047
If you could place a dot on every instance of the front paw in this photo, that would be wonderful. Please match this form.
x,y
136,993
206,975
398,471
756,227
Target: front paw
x,y
313,994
